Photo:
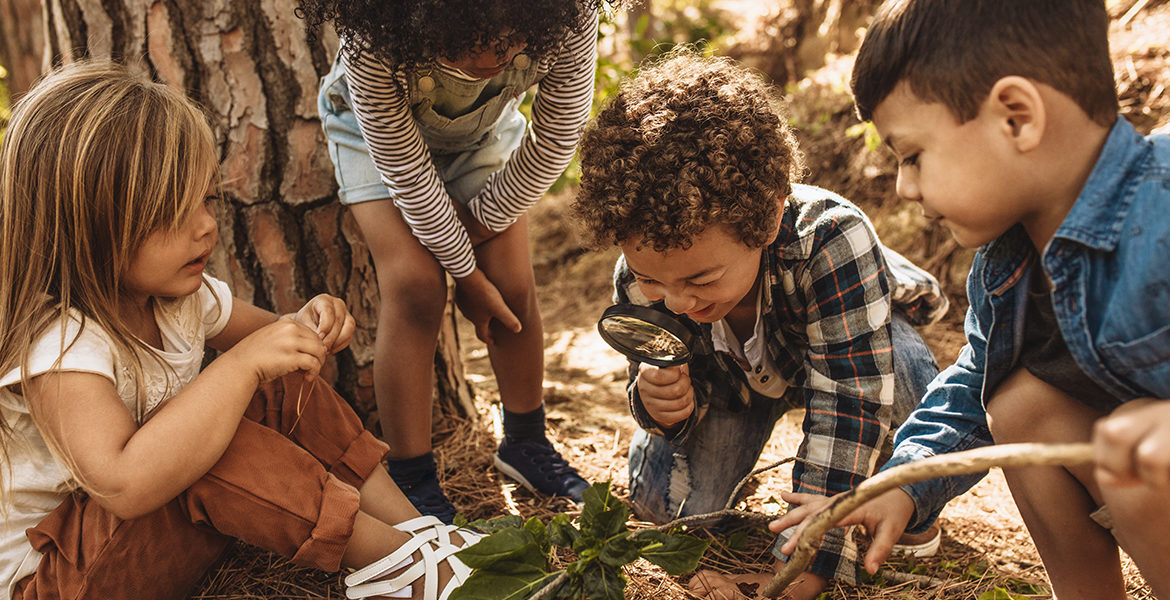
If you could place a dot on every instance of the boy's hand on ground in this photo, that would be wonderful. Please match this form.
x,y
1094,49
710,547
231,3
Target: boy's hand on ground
x,y
666,393
1132,445
278,349
480,301
330,318
884,518
710,585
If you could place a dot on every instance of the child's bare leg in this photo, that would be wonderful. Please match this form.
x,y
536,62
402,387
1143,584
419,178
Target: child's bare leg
x,y
413,293
1141,523
380,498
525,454
374,539
517,358
1080,556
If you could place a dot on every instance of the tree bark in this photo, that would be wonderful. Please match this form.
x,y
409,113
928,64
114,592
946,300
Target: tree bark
x,y
22,39
283,236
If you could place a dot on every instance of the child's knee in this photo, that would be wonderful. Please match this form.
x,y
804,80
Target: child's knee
x,y
1025,409
420,296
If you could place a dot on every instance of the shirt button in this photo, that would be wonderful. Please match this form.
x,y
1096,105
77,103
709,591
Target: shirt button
x,y
764,379
426,84
521,61
759,368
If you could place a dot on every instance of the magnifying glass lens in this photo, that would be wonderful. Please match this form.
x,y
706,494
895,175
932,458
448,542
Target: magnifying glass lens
x,y
643,340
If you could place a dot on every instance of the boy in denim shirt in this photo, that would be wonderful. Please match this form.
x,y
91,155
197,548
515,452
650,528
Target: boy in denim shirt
x,y
1003,116
689,171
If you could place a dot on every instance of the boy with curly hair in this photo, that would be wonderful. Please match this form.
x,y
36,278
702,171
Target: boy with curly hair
x,y
438,167
690,171
1004,118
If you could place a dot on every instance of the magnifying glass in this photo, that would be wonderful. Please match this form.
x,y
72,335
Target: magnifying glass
x,y
650,335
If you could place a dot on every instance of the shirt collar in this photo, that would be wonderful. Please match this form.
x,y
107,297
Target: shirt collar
x,y
1097,216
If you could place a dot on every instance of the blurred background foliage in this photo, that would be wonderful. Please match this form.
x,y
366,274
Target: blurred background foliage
x,y
4,110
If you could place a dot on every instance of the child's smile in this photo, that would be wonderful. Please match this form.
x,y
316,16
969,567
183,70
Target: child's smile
x,y
706,282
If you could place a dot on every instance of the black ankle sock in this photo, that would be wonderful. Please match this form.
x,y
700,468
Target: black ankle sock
x,y
524,426
411,470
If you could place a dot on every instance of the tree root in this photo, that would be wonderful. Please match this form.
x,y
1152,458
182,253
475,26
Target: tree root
x,y
969,461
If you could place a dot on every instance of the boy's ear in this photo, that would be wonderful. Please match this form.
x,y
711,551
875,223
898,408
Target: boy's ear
x,y
779,217
1017,108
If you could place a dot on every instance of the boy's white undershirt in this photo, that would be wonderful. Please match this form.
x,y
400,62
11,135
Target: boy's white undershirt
x,y
759,370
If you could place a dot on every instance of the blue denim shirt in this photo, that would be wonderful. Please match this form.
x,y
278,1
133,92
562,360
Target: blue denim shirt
x,y
1111,295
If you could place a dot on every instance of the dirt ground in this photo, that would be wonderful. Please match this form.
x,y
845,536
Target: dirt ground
x,y
985,545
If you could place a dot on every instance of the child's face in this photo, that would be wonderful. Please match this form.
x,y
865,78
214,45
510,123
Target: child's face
x,y
961,173
485,63
704,282
170,265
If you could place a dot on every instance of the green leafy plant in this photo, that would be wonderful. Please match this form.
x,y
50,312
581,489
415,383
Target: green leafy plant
x,y
512,562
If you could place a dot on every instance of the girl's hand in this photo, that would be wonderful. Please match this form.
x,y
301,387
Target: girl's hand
x,y
666,393
330,318
1132,445
884,518
278,349
480,301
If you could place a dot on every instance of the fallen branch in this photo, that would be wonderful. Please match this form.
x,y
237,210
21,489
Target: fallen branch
x,y
969,461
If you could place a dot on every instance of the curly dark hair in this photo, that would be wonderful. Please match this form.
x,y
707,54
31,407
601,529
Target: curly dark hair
x,y
688,143
411,33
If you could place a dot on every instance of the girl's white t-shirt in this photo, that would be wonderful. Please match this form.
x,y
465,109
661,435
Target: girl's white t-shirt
x,y
35,482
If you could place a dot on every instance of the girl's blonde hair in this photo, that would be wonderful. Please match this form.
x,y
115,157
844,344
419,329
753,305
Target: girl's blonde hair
x,y
95,159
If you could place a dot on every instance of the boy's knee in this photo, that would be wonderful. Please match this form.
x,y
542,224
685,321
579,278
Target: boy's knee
x,y
1026,409
1018,404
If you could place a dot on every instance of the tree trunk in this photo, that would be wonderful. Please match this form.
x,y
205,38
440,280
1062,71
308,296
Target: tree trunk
x,y
283,236
22,39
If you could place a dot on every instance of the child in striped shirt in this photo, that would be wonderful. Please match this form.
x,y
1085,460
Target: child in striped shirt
x,y
438,167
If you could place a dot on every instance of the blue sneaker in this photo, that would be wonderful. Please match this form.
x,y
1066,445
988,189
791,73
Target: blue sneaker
x,y
536,465
424,493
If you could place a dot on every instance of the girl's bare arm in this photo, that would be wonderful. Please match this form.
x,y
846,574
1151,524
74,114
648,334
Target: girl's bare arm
x,y
132,470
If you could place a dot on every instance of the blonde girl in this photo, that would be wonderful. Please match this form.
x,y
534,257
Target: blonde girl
x,y
126,470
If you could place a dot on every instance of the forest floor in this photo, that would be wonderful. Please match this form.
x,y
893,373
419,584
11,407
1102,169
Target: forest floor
x,y
985,544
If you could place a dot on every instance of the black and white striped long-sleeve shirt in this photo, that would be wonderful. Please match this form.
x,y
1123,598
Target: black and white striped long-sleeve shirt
x,y
559,112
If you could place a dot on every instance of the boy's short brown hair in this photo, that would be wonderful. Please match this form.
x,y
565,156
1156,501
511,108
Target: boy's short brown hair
x,y
953,52
688,143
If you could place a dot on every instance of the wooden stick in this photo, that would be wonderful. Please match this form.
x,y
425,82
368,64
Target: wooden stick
x,y
957,463
1132,12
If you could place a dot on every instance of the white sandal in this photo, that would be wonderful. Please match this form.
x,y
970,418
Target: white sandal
x,y
430,537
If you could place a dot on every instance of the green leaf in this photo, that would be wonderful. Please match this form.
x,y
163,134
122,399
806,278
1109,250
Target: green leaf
x,y
603,515
537,529
620,551
603,582
998,593
976,570
496,524
483,585
737,541
676,553
561,531
511,551
459,520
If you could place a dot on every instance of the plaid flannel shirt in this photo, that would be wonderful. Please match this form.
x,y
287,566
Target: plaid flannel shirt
x,y
826,309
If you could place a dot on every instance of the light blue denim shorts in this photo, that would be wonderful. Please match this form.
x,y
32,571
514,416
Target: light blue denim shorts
x,y
464,174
